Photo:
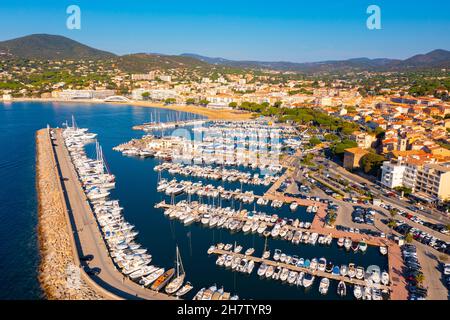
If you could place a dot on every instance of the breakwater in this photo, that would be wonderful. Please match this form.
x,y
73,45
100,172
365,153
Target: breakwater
x,y
59,273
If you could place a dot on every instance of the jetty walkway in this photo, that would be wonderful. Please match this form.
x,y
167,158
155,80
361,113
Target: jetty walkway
x,y
88,236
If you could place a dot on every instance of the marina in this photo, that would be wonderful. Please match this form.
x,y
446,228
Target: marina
x,y
135,185
292,270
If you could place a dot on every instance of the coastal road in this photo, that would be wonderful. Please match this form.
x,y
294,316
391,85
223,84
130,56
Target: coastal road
x,y
87,233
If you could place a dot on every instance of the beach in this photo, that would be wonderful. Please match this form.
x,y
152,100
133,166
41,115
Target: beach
x,y
212,114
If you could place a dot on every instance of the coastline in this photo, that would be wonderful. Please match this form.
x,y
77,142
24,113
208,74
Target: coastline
x,y
211,114
59,274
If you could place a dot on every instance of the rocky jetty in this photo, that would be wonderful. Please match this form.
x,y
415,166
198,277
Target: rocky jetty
x,y
59,276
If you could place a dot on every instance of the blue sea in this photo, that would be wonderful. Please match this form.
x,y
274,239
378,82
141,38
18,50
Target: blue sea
x,y
136,189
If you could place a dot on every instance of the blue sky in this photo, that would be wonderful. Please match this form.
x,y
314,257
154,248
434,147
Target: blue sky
x,y
298,31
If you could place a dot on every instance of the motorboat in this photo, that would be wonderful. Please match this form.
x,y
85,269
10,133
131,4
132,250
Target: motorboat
x,y
292,277
343,270
293,206
184,289
284,274
324,285
385,278
313,264
347,244
362,246
148,280
262,269
341,289
322,264
269,272
308,280
277,254
329,267
266,254
340,242
359,273
383,250
163,280
357,292
300,278
249,251
351,270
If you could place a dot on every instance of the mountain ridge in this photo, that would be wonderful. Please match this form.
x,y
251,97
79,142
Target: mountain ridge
x,y
53,47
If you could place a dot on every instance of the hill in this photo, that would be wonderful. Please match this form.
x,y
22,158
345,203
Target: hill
x,y
49,47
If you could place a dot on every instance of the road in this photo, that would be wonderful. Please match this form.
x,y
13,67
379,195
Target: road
x,y
88,236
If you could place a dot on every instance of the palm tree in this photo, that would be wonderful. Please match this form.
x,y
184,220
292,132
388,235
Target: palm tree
x,y
420,278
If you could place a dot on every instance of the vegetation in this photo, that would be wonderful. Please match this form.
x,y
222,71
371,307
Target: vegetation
x,y
371,163
338,148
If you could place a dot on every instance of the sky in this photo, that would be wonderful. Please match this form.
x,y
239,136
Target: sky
x,y
281,30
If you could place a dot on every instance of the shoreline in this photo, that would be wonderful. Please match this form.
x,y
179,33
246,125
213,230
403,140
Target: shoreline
x,y
211,114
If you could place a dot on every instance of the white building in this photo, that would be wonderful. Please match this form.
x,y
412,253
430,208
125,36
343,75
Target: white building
x,y
392,174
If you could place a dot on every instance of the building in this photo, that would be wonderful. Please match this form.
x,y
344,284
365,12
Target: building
x,y
83,94
363,139
143,76
392,173
433,179
352,157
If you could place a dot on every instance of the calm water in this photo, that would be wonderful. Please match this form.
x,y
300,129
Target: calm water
x,y
136,190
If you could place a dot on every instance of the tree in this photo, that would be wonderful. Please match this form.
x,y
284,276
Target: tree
x,y
233,105
420,278
145,95
204,102
372,162
314,141
338,148
409,238
170,101
190,101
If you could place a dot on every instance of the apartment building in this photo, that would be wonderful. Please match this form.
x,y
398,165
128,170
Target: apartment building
x,y
421,175
434,180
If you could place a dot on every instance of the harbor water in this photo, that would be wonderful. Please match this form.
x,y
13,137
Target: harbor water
x,y
136,183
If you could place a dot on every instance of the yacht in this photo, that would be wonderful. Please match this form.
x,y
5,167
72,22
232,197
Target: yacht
x,y
276,255
357,292
363,246
177,282
292,277
284,274
163,280
293,206
266,254
185,289
359,273
262,269
322,264
308,280
324,285
351,270
342,289
347,244
199,295
385,278
270,271
300,278
146,281
383,250
343,270
249,251
313,264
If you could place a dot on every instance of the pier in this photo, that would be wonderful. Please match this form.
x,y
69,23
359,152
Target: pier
x,y
317,273
87,234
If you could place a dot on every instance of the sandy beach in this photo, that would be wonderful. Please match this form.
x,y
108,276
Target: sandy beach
x,y
212,114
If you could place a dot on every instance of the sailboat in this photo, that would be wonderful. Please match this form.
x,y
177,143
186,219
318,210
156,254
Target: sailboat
x,y
176,283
